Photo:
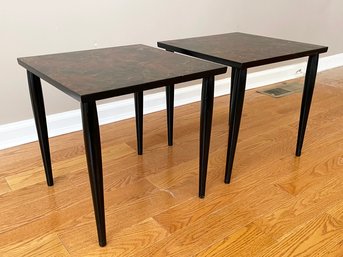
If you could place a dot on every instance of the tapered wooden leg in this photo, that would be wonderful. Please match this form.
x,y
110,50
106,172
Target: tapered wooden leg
x,y
139,121
310,79
232,90
170,112
37,102
236,107
205,130
93,152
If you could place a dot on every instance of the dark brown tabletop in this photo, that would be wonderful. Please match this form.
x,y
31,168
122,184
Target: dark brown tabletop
x,y
102,73
241,50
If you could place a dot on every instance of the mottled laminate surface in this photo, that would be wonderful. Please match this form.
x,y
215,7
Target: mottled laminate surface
x,y
102,73
242,50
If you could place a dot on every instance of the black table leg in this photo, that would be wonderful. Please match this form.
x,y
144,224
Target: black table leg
x,y
207,95
236,106
170,112
37,102
232,90
139,120
93,152
310,79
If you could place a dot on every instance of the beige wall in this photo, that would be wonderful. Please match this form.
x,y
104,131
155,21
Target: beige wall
x,y
40,27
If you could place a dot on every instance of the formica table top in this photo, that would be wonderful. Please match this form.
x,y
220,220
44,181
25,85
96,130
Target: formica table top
x,y
102,73
241,50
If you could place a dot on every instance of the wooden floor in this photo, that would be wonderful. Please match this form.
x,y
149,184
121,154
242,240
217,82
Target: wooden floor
x,y
276,204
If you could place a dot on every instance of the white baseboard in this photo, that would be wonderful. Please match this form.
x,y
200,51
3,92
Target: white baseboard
x,y
22,132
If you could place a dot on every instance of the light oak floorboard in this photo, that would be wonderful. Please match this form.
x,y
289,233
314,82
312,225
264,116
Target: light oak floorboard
x,y
47,245
4,187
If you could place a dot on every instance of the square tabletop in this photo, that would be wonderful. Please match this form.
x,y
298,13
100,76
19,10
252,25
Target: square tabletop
x,y
103,73
241,50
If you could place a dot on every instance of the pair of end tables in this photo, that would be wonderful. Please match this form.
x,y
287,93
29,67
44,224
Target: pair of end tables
x,y
92,75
